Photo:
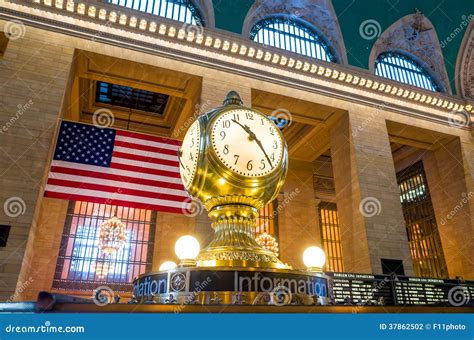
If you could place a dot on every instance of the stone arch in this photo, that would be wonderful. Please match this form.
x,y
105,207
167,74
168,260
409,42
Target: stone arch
x,y
465,63
414,36
317,14
207,10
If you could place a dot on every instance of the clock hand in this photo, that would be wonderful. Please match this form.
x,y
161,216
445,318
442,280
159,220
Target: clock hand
x,y
180,154
261,147
253,136
247,129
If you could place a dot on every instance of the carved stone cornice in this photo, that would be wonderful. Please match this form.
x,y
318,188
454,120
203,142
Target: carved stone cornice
x,y
231,53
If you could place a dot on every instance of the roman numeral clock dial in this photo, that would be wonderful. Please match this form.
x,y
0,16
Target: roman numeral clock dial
x,y
247,142
188,154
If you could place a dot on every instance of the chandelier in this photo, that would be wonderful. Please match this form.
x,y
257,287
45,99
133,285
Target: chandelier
x,y
101,269
267,241
112,235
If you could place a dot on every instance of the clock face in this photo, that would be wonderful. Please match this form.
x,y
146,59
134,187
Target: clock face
x,y
247,142
188,154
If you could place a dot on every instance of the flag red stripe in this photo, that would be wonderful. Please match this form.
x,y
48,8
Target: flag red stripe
x,y
144,159
133,146
124,191
139,169
113,202
120,178
147,137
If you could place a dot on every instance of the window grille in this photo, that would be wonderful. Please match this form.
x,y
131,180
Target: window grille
x,y
331,236
422,230
179,10
403,69
130,97
82,266
291,35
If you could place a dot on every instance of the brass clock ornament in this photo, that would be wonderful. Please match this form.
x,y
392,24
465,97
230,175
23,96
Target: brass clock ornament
x,y
234,160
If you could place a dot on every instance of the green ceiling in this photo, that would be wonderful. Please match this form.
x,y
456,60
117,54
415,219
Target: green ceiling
x,y
446,16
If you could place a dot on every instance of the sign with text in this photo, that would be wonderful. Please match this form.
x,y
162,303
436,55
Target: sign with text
x,y
367,289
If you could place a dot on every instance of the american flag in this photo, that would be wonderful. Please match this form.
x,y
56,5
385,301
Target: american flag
x,y
104,165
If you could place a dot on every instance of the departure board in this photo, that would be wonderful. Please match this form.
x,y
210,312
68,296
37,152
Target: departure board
x,y
424,291
361,289
366,289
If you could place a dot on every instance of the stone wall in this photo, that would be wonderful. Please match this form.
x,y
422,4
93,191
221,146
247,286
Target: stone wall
x,y
367,194
34,71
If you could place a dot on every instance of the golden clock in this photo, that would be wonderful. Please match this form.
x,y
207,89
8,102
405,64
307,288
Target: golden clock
x,y
188,154
234,160
247,142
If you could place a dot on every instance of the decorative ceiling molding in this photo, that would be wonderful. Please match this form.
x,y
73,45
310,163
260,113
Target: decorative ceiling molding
x,y
318,14
230,53
465,64
414,35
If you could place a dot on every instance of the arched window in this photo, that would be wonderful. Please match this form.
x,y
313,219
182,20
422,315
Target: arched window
x,y
291,35
401,68
179,10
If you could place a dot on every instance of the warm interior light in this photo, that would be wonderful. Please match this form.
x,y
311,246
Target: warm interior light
x,y
168,265
187,249
113,16
70,5
102,14
81,9
314,258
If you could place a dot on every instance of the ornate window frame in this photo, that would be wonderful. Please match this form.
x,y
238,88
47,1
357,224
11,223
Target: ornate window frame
x,y
408,72
314,37
319,15
465,64
415,36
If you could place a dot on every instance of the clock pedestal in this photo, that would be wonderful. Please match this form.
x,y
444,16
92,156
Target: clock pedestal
x,y
222,161
234,240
